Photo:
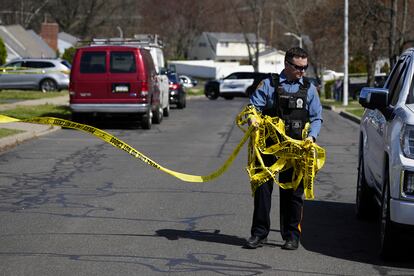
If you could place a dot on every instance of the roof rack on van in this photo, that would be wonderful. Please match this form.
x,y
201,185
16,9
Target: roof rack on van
x,y
138,40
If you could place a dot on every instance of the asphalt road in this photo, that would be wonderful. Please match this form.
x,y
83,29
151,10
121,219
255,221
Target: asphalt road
x,y
71,204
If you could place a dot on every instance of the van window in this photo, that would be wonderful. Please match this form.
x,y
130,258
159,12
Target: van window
x,y
122,62
93,62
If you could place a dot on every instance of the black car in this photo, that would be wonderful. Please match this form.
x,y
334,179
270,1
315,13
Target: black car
x,y
212,88
176,90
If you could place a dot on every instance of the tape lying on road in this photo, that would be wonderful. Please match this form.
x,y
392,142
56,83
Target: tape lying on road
x,y
124,146
305,157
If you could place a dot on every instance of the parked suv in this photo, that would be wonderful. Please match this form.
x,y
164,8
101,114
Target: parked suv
x,y
386,155
38,74
239,84
178,95
116,80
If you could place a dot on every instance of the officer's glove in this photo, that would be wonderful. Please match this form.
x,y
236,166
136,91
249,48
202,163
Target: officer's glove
x,y
308,142
252,121
310,138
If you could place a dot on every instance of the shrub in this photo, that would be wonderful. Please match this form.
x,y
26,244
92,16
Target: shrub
x,y
3,52
69,54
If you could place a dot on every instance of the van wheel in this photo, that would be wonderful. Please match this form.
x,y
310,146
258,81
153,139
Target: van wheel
x,y
77,117
166,111
158,115
48,85
146,120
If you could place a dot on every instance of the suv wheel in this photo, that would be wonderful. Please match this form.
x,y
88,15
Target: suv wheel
x,y
146,120
387,234
158,115
364,197
182,102
212,93
48,85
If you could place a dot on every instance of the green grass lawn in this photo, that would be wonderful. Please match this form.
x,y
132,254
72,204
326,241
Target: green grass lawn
x,y
46,110
6,132
25,112
353,106
7,96
195,91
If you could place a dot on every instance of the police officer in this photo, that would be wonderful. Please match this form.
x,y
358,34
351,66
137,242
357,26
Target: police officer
x,y
295,100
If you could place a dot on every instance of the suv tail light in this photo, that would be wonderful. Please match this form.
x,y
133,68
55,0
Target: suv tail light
x,y
173,86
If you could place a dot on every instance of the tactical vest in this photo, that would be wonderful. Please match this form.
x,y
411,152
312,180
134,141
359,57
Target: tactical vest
x,y
290,107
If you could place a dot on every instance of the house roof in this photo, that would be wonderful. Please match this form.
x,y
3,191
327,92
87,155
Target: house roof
x,y
232,37
68,38
45,50
23,43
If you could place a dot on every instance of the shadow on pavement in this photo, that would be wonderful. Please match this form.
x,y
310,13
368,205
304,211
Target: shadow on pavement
x,y
216,237
332,229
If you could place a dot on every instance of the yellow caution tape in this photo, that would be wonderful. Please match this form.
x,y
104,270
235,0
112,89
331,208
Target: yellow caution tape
x,y
27,70
305,157
124,146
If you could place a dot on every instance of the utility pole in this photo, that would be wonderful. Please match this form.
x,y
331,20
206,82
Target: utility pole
x,y
345,83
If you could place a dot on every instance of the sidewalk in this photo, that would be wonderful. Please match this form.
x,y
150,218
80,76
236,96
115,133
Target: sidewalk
x,y
30,130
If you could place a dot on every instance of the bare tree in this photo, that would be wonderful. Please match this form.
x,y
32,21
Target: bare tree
x,y
177,21
88,18
250,16
326,35
23,12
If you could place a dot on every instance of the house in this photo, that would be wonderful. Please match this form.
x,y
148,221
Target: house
x,y
271,61
24,43
223,47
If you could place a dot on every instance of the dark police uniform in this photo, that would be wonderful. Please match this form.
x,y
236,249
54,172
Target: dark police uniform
x,y
296,103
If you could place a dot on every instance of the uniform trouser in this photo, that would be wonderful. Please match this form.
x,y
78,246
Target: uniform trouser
x,y
291,205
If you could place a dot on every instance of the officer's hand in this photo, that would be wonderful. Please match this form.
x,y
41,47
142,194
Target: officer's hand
x,y
252,121
310,139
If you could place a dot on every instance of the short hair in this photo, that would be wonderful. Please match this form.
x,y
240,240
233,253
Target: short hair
x,y
295,52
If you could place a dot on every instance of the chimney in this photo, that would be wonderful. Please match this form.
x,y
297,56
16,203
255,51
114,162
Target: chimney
x,y
49,33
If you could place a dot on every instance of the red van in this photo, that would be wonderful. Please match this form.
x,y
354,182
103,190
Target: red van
x,y
116,80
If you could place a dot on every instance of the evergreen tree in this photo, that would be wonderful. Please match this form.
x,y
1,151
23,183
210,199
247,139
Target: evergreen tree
x,y
69,54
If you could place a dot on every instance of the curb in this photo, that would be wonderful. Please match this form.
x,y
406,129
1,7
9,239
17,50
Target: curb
x,y
28,134
344,114
350,117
